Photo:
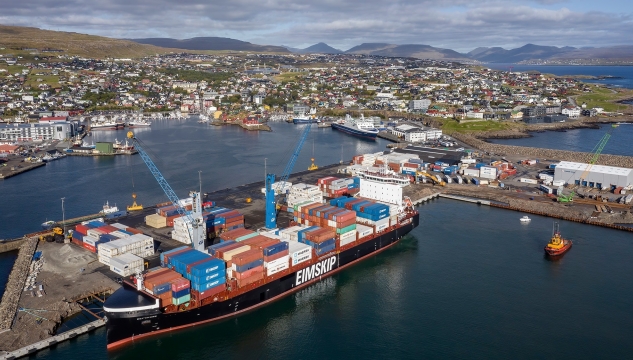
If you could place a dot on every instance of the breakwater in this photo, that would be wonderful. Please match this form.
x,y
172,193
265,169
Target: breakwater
x,y
539,153
15,285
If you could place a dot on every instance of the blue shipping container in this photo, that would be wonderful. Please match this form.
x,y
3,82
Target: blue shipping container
x,y
162,255
275,248
181,293
206,286
357,206
162,288
325,250
96,224
208,267
204,278
246,267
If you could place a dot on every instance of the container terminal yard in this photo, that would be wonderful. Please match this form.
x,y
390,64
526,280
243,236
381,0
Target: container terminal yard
x,y
52,281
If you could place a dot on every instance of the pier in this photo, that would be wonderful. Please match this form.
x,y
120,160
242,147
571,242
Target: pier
x,y
43,344
19,169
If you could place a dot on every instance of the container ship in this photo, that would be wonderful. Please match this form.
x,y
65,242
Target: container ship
x,y
248,269
357,127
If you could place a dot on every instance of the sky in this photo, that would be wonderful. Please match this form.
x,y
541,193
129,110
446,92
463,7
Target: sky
x,y
460,25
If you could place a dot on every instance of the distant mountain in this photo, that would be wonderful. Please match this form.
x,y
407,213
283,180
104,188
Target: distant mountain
x,y
210,43
608,53
408,50
526,52
320,48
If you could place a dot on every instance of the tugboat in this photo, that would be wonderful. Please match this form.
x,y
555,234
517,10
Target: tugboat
x,y
557,245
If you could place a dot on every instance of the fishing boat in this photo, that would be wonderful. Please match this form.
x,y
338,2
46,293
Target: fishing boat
x,y
526,219
47,225
557,244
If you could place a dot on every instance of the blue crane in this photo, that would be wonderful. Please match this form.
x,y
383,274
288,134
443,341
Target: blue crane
x,y
271,202
196,233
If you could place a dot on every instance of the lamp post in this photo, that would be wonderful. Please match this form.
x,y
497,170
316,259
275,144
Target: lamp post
x,y
200,180
63,216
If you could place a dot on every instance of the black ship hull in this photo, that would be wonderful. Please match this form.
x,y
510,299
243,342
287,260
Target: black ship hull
x,y
124,327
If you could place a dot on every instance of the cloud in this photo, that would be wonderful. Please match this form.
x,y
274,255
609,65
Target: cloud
x,y
457,24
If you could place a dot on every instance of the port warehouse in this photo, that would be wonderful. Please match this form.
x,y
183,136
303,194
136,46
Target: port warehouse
x,y
597,176
53,130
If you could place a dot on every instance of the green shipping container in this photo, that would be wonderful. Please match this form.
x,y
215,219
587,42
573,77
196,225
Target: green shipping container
x,y
248,236
181,300
346,229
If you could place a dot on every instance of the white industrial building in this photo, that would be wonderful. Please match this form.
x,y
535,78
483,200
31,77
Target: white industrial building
x,y
416,134
41,131
599,176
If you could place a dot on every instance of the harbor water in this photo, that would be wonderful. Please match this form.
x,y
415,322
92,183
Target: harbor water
x,y
619,76
578,140
469,282
478,290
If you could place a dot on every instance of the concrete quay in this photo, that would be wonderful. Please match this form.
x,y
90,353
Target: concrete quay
x,y
54,340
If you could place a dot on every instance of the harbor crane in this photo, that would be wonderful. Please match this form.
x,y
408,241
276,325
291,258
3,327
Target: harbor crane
x,y
196,232
271,201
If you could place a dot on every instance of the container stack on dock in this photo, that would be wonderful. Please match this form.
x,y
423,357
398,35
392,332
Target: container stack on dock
x,y
335,187
301,193
90,234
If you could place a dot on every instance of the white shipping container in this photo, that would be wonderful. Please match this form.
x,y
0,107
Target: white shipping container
x,y
119,226
105,260
276,269
126,264
349,240
90,240
285,233
299,252
471,172
94,233
558,183
528,181
109,249
488,172
363,230
119,234
274,263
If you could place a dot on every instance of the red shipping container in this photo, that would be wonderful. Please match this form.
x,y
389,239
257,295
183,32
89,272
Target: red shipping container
x,y
248,273
276,256
345,223
247,257
89,247
349,205
170,220
234,234
133,230
166,277
210,292
155,273
179,284
77,242
166,296
82,229
107,229
251,279
267,243
348,215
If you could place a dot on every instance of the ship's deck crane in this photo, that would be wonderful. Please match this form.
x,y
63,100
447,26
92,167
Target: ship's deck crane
x,y
196,233
271,202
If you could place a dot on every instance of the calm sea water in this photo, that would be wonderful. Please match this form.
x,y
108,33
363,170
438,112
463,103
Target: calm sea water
x,y
624,73
478,290
469,282
579,140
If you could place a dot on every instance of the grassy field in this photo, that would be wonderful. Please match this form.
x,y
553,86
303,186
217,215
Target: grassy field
x,y
289,76
604,98
51,80
450,125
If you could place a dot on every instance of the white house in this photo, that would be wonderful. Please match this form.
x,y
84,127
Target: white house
x,y
572,113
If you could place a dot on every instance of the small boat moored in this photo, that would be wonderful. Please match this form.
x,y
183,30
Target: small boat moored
x,y
557,245
526,219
